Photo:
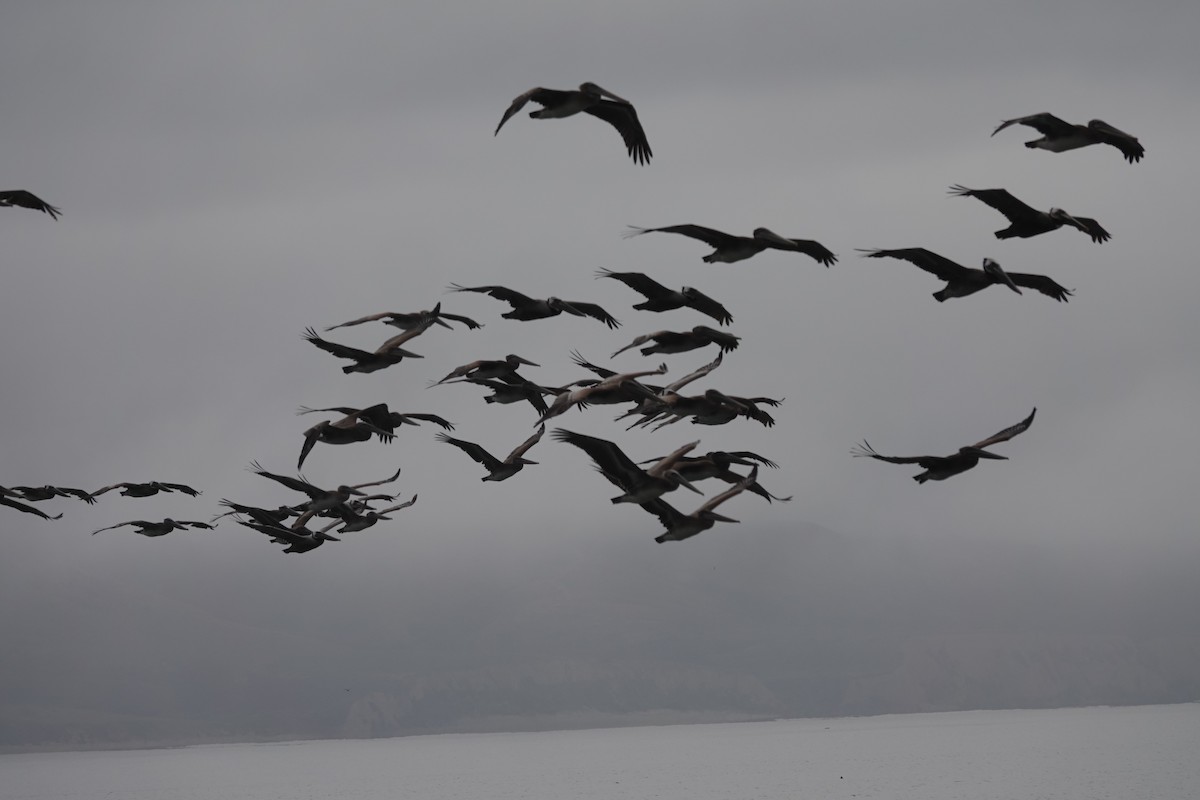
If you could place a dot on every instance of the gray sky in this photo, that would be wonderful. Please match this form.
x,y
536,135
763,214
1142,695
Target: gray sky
x,y
231,173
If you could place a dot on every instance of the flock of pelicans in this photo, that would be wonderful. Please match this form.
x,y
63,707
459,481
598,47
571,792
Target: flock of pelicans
x,y
348,508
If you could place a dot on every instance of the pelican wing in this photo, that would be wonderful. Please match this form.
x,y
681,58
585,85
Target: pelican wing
x,y
642,284
473,450
731,492
178,487
1128,145
389,315
292,483
339,350
28,509
510,296
865,449
624,118
999,199
434,418
1041,284
470,323
138,523
1044,123
706,305
24,199
610,460
524,446
695,375
927,260
813,249
713,238
594,311
1008,433
546,97
1091,228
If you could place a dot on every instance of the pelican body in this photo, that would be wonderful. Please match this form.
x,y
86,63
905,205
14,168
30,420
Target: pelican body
x,y
1059,136
660,298
638,485
146,528
963,281
22,199
680,526
1027,221
526,308
146,489
497,470
589,99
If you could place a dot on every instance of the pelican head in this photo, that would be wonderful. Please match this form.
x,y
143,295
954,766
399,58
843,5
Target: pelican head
x,y
719,517
592,90
523,460
998,275
768,235
515,360
1062,216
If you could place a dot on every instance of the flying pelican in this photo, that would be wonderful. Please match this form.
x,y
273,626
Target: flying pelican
x,y
323,499
515,389
1059,136
730,248
384,356
147,489
526,308
684,526
660,298
638,485
717,464
497,470
298,539
1027,221
711,408
408,321
962,281
590,99
347,430
938,468
157,528
383,418
36,494
24,199
502,368
19,506
352,521
683,341
581,396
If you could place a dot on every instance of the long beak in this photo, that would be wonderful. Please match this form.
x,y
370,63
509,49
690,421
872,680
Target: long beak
x,y
1007,280
606,93
527,361
685,483
720,518
986,454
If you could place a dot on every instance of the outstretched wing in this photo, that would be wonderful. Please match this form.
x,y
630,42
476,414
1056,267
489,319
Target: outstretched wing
x,y
473,450
706,305
510,296
642,284
24,199
1091,228
1044,123
713,238
524,446
865,449
999,199
339,350
1041,284
1128,145
624,118
810,248
28,509
927,260
594,311
1008,433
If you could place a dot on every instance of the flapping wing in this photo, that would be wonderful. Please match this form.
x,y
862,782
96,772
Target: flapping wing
x,y
1041,284
1044,123
642,284
180,487
610,460
927,260
1128,145
1008,433
24,199
524,446
706,305
510,296
1092,229
998,199
473,450
595,312
813,249
865,449
339,350
713,238
28,509
624,118
538,95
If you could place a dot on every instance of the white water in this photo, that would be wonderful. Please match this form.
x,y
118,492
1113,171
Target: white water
x,y
1136,753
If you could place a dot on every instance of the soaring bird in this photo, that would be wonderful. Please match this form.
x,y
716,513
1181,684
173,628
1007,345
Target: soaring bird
x,y
353,521
938,468
147,489
717,464
637,485
526,308
497,470
410,320
484,368
590,99
298,539
384,356
146,528
24,199
962,281
660,298
36,494
680,526
582,395
683,341
384,420
323,499
19,506
1027,221
730,248
1059,136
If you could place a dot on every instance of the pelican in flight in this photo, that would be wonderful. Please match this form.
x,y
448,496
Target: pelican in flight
x,y
717,464
36,494
384,420
590,99
1059,136
157,528
324,499
683,341
24,199
497,470
660,298
5,500
1027,221
408,321
638,485
298,539
938,468
962,281
730,248
580,396
384,356
526,308
680,526
481,369
352,521
147,489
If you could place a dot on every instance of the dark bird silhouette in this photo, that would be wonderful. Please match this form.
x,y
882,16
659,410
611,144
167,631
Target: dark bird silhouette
x,y
323,499
680,526
483,368
962,281
730,248
590,99
526,308
146,528
938,468
1059,136
1027,221
637,485
497,470
408,321
28,509
386,355
683,341
35,494
24,199
147,489
660,298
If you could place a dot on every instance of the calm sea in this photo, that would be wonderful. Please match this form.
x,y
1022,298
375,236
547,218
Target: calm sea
x,y
1137,753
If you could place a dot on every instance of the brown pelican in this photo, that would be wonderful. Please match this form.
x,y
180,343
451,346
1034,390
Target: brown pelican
x,y
581,396
24,199
347,430
1027,221
526,308
352,521
681,526
157,528
717,464
298,539
483,368
497,470
36,494
962,281
683,341
938,468
660,298
382,418
590,99
408,321
19,506
711,408
730,248
638,485
147,489
322,499
1059,136
515,389
385,355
